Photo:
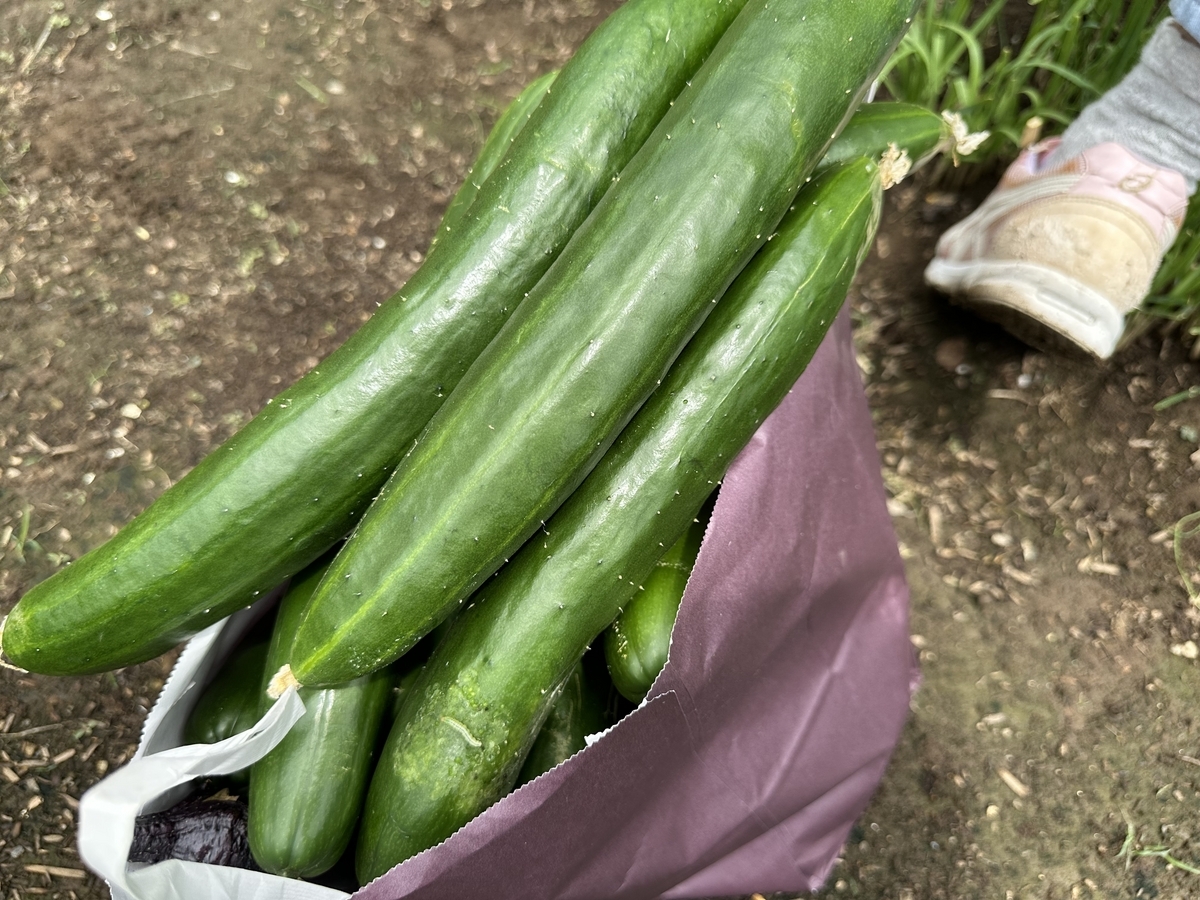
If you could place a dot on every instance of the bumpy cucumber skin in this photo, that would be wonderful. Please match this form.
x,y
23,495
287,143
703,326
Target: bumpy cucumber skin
x,y
230,703
305,795
637,642
580,709
544,401
458,743
295,479
912,128
499,139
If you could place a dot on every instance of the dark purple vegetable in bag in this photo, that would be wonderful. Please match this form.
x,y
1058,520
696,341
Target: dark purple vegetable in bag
x,y
205,831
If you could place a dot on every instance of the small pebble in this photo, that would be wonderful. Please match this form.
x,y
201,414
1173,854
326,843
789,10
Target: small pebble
x,y
1187,650
951,353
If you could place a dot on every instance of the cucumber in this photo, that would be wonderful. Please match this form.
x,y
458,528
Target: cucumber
x,y
408,667
912,128
401,690
229,705
498,141
637,642
295,479
548,396
580,709
459,741
305,794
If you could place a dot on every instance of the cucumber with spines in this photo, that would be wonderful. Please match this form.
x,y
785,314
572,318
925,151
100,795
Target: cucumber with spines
x,y
460,738
299,475
636,644
581,709
499,139
915,130
230,703
305,795
541,404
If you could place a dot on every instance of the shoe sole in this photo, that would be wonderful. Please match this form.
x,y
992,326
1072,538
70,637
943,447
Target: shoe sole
x,y
1037,304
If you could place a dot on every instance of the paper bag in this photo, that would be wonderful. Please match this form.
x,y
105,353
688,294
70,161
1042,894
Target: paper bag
x,y
757,748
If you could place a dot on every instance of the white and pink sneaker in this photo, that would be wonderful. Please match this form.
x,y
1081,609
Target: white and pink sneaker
x,y
1064,250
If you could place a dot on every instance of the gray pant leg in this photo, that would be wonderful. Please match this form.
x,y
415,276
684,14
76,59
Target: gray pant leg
x,y
1155,110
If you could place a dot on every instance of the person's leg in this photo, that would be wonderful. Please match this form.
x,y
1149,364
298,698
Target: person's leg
x,y
1154,112
1069,242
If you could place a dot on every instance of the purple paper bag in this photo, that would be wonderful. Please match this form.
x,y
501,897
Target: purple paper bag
x,y
764,737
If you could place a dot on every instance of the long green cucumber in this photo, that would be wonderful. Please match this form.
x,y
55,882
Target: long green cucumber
x,y
914,129
499,139
459,740
637,642
548,396
296,478
305,795
580,709
229,705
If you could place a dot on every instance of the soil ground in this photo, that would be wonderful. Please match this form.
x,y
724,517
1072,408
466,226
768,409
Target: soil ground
x,y
202,198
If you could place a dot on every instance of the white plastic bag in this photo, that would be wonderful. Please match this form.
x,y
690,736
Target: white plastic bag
x,y
158,776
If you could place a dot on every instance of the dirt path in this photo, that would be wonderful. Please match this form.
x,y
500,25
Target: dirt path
x,y
202,199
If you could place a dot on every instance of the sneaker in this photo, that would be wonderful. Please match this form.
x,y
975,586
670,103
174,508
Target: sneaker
x,y
1064,251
